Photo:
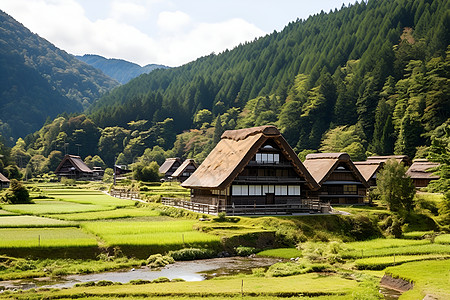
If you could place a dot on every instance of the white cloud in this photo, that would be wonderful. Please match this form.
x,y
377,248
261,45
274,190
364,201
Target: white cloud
x,y
121,10
173,21
176,38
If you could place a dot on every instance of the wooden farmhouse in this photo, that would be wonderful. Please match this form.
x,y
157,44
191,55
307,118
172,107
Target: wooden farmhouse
x,y
252,169
420,172
185,170
169,167
399,158
339,179
4,182
73,167
369,170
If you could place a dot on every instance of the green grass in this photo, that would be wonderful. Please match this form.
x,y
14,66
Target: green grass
x,y
31,221
307,285
383,243
166,234
281,252
109,214
405,250
380,263
89,197
44,207
45,237
429,277
443,239
6,213
416,235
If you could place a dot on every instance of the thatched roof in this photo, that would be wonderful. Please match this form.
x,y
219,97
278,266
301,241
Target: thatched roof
x,y
321,165
420,169
76,162
168,164
368,168
399,158
183,167
234,151
3,178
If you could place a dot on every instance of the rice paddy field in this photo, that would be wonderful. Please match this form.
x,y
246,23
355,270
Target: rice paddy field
x,y
71,220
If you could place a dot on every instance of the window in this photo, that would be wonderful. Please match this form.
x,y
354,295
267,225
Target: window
x,y
268,189
267,158
350,189
254,190
240,190
294,190
281,190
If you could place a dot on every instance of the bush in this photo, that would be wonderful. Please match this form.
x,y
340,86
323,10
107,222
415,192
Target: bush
x,y
139,281
17,193
158,260
191,254
160,280
245,251
68,181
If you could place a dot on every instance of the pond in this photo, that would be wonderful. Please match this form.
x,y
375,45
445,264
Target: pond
x,y
195,270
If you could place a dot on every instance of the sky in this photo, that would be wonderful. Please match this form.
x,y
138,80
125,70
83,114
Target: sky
x,y
167,32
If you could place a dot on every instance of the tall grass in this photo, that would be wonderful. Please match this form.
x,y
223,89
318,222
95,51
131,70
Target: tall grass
x,y
281,252
45,237
43,207
109,214
380,263
32,221
406,250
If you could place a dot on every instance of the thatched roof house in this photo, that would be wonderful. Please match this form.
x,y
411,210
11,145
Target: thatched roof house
x,y
252,166
185,170
73,167
369,170
339,179
420,172
170,166
399,158
4,182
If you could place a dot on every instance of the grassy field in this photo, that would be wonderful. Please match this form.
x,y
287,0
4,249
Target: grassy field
x,y
429,277
406,250
380,263
312,284
89,197
45,237
45,207
109,214
281,253
32,221
174,234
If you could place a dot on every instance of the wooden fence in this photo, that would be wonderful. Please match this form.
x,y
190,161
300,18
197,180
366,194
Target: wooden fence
x,y
307,206
192,206
124,193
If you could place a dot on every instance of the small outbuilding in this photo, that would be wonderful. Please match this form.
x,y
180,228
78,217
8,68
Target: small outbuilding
x,y
339,179
185,170
252,170
420,172
4,182
73,167
399,158
169,167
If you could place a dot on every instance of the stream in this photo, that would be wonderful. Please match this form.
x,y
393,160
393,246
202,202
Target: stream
x,y
195,270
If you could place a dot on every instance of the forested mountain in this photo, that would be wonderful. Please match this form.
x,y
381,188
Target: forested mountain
x,y
371,78
38,80
119,69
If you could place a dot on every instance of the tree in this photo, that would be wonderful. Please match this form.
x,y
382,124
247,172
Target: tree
x,y
396,189
218,130
149,173
17,193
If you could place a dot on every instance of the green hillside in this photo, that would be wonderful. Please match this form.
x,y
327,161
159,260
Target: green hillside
x,y
38,80
371,78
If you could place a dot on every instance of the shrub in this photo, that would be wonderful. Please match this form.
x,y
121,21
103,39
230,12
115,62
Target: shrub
x,y
245,251
104,283
17,193
139,281
68,181
191,254
158,260
161,279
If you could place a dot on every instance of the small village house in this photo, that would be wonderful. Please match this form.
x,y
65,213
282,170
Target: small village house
x,y
169,167
369,170
252,167
4,182
73,167
339,179
420,172
384,158
184,171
